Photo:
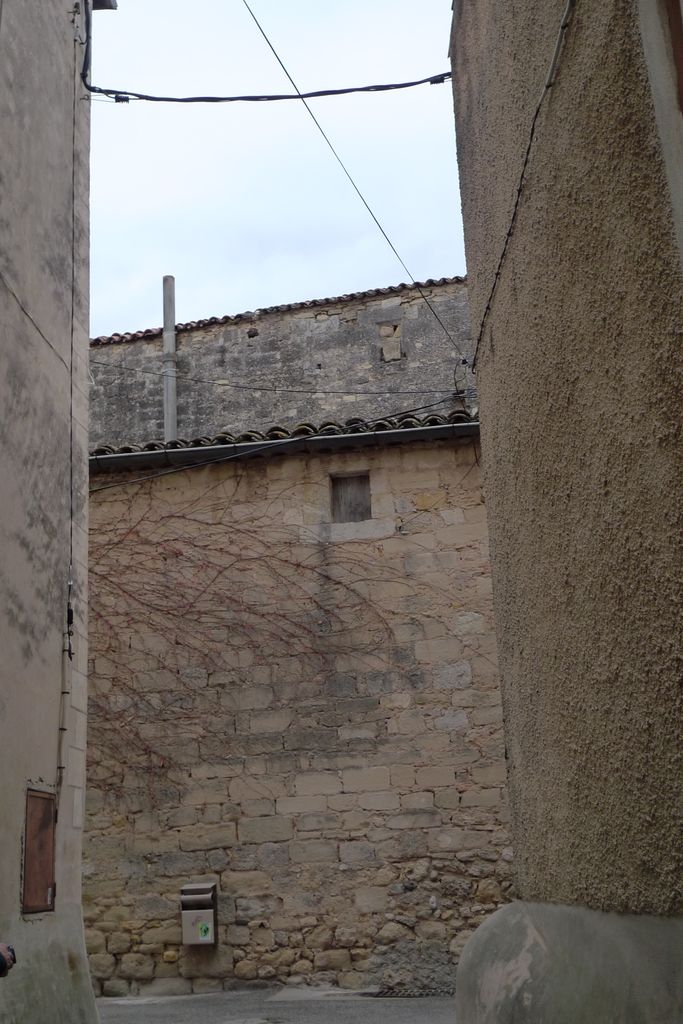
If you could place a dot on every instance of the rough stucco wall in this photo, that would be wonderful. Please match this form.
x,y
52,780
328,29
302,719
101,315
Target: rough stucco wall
x,y
333,348
579,378
50,983
306,712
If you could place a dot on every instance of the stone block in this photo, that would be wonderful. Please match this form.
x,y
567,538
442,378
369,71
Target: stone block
x,y
481,798
363,780
213,962
356,981
154,907
116,988
209,793
317,783
273,829
162,987
246,970
118,942
452,840
453,676
271,856
208,837
246,883
449,799
371,899
311,739
301,804
320,938
270,721
261,937
487,716
357,852
436,777
385,800
452,721
417,801
392,932
246,698
252,908
102,965
342,802
402,776
206,986
256,787
313,851
436,651
415,819
431,930
332,960
302,966
169,933
317,822
258,808
489,775
403,846
95,942
136,966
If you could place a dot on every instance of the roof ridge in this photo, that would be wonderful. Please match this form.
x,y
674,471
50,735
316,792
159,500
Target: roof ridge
x,y
214,321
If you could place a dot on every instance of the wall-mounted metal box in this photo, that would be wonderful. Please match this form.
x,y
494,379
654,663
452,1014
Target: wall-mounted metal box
x,y
199,914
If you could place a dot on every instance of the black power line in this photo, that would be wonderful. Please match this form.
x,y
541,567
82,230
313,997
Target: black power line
x,y
302,97
268,446
125,95
240,386
549,82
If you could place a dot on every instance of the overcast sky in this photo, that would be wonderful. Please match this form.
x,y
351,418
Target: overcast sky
x,y
245,204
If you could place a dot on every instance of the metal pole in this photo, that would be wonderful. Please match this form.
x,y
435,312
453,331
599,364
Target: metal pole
x,y
170,362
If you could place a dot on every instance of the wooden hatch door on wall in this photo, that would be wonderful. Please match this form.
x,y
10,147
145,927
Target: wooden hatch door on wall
x,y
39,853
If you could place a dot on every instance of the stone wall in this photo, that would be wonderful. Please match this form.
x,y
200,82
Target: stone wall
x,y
305,712
364,355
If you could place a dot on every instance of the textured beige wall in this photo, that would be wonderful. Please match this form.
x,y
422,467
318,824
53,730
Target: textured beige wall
x,y
579,376
307,713
43,195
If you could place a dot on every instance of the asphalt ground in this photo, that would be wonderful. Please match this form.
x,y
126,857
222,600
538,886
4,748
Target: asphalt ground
x,y
278,1006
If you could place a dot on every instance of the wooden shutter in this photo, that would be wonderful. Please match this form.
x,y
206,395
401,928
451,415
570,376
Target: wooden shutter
x,y
39,853
351,498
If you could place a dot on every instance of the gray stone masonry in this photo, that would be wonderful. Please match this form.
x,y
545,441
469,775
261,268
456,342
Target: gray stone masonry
x,y
386,345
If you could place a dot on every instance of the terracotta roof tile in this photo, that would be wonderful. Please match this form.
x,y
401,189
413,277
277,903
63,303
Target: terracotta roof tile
x,y
280,433
250,315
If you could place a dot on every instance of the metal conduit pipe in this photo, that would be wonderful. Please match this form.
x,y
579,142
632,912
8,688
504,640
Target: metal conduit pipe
x,y
170,362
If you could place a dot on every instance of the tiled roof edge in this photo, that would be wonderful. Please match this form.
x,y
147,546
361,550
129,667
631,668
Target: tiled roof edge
x,y
250,315
301,430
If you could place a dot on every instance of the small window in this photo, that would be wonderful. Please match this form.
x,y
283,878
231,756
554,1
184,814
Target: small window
x,y
351,498
39,853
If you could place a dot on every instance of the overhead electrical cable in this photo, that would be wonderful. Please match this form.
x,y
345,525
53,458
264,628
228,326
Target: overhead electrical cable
x,y
122,95
268,446
303,98
549,82
125,95
269,387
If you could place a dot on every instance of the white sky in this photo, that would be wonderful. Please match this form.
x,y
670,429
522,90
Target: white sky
x,y
244,203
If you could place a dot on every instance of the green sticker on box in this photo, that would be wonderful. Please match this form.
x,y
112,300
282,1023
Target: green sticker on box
x,y
204,930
